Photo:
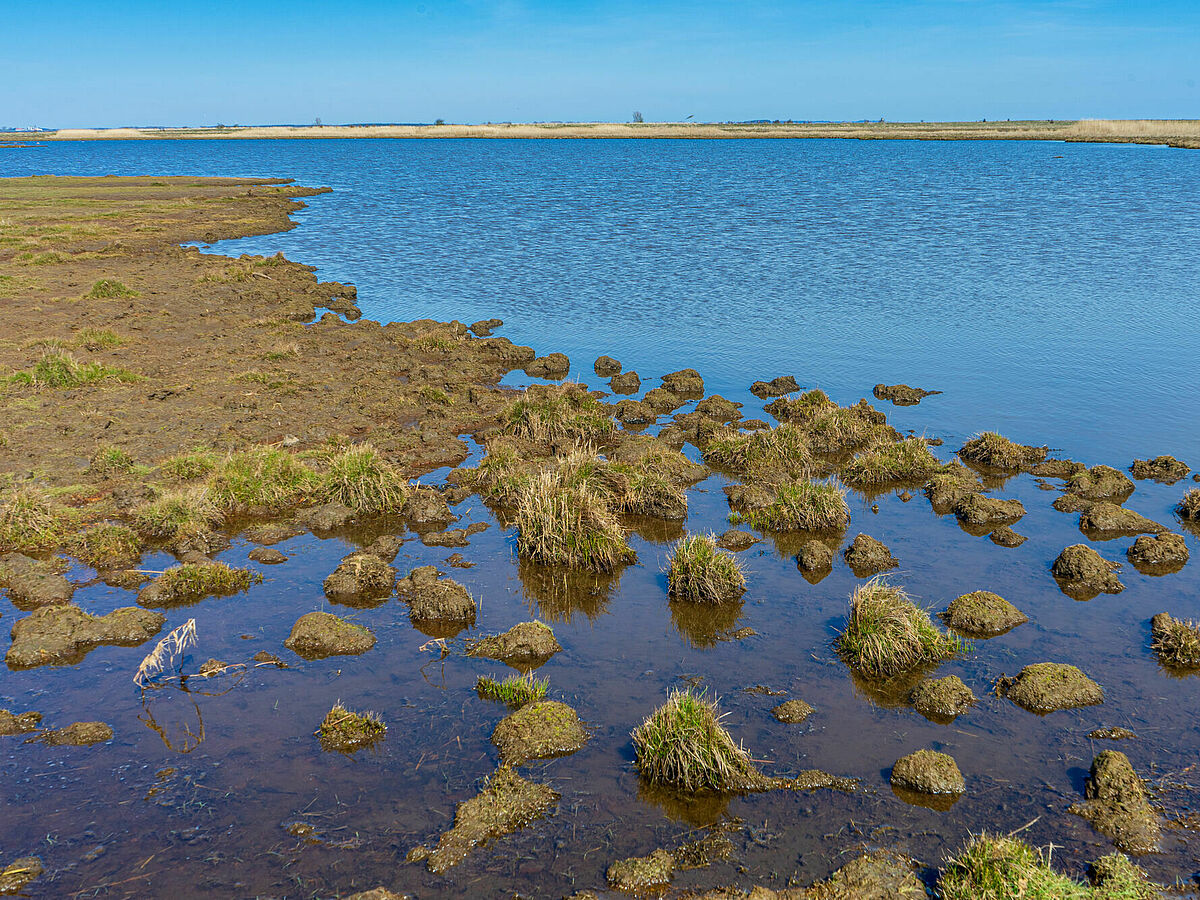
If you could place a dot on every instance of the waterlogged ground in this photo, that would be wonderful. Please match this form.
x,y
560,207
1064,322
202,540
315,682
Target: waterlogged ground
x,y
194,794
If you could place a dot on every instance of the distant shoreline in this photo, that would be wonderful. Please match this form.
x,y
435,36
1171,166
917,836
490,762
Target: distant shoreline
x,y
1171,132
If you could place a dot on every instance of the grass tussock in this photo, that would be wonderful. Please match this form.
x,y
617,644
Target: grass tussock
x,y
1175,641
570,524
110,289
106,546
344,730
515,690
59,369
700,572
887,634
1189,506
907,460
359,478
502,474
845,428
998,452
796,505
1000,868
108,462
556,414
261,479
683,744
178,513
190,582
783,449
800,408
31,521
188,466
96,339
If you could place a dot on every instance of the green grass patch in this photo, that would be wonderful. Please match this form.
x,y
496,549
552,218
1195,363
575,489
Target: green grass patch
x,y
191,582
108,462
515,690
110,289
887,634
48,258
58,369
31,521
359,478
683,744
106,546
96,339
794,505
1002,868
262,479
699,572
502,474
188,466
570,524
801,408
178,513
553,414
907,460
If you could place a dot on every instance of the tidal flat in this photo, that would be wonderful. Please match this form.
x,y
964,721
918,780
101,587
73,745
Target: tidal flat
x,y
413,627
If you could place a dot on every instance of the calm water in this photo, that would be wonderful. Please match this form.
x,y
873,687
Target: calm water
x,y
1053,299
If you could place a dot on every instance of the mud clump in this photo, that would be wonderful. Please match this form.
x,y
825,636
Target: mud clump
x,y
642,873
792,712
662,400
1166,469
976,509
552,367
815,557
1175,641
453,537
1113,733
77,734
719,409
317,635
1106,520
268,556
942,700
867,557
32,583
776,387
983,614
1083,573
524,646
438,603
901,394
1006,537
604,366
1117,804
539,730
22,723
360,579
1046,687
57,634
625,383
507,802
484,327
685,383
326,517
1160,554
1058,468
928,772
425,506
736,540
635,412
995,451
945,488
344,731
22,872
1100,483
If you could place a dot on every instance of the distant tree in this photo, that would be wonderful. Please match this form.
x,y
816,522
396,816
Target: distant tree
x,y
439,121
317,121
637,117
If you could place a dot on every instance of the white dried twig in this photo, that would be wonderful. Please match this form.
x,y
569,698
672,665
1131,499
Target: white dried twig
x,y
170,648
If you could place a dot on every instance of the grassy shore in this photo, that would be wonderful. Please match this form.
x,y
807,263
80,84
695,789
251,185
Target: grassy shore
x,y
1173,132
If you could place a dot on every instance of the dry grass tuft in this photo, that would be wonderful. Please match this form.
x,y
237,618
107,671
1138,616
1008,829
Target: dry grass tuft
x,y
262,479
359,478
907,460
563,520
793,505
31,521
783,450
1176,641
558,414
887,634
701,573
998,452
1189,506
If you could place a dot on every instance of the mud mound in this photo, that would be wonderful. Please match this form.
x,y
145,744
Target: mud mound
x,y
625,383
901,394
1166,469
361,579
1107,520
1083,573
995,451
719,409
604,366
77,734
736,540
982,614
792,712
553,366
1117,804
976,509
320,634
866,557
59,634
1046,687
1160,554
928,772
539,731
776,387
685,383
435,600
941,700
1100,483
525,645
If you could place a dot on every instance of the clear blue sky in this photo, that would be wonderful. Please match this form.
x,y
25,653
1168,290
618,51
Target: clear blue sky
x,y
83,62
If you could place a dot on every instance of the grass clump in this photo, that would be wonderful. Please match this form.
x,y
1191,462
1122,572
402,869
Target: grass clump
x,y
999,868
190,582
110,289
701,573
110,461
31,521
554,414
907,460
844,428
97,339
1176,641
801,408
503,474
515,690
58,369
106,546
175,514
998,452
559,523
261,479
346,731
887,634
795,505
359,478
783,449
1189,506
188,466
683,744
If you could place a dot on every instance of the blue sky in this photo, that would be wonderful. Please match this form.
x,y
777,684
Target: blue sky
x,y
82,62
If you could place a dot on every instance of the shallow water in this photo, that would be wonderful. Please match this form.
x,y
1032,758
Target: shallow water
x,y
1052,299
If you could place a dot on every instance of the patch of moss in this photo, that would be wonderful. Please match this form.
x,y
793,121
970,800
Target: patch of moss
x,y
642,873
983,613
1046,687
539,730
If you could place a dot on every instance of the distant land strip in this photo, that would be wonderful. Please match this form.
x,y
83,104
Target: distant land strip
x,y
1172,132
